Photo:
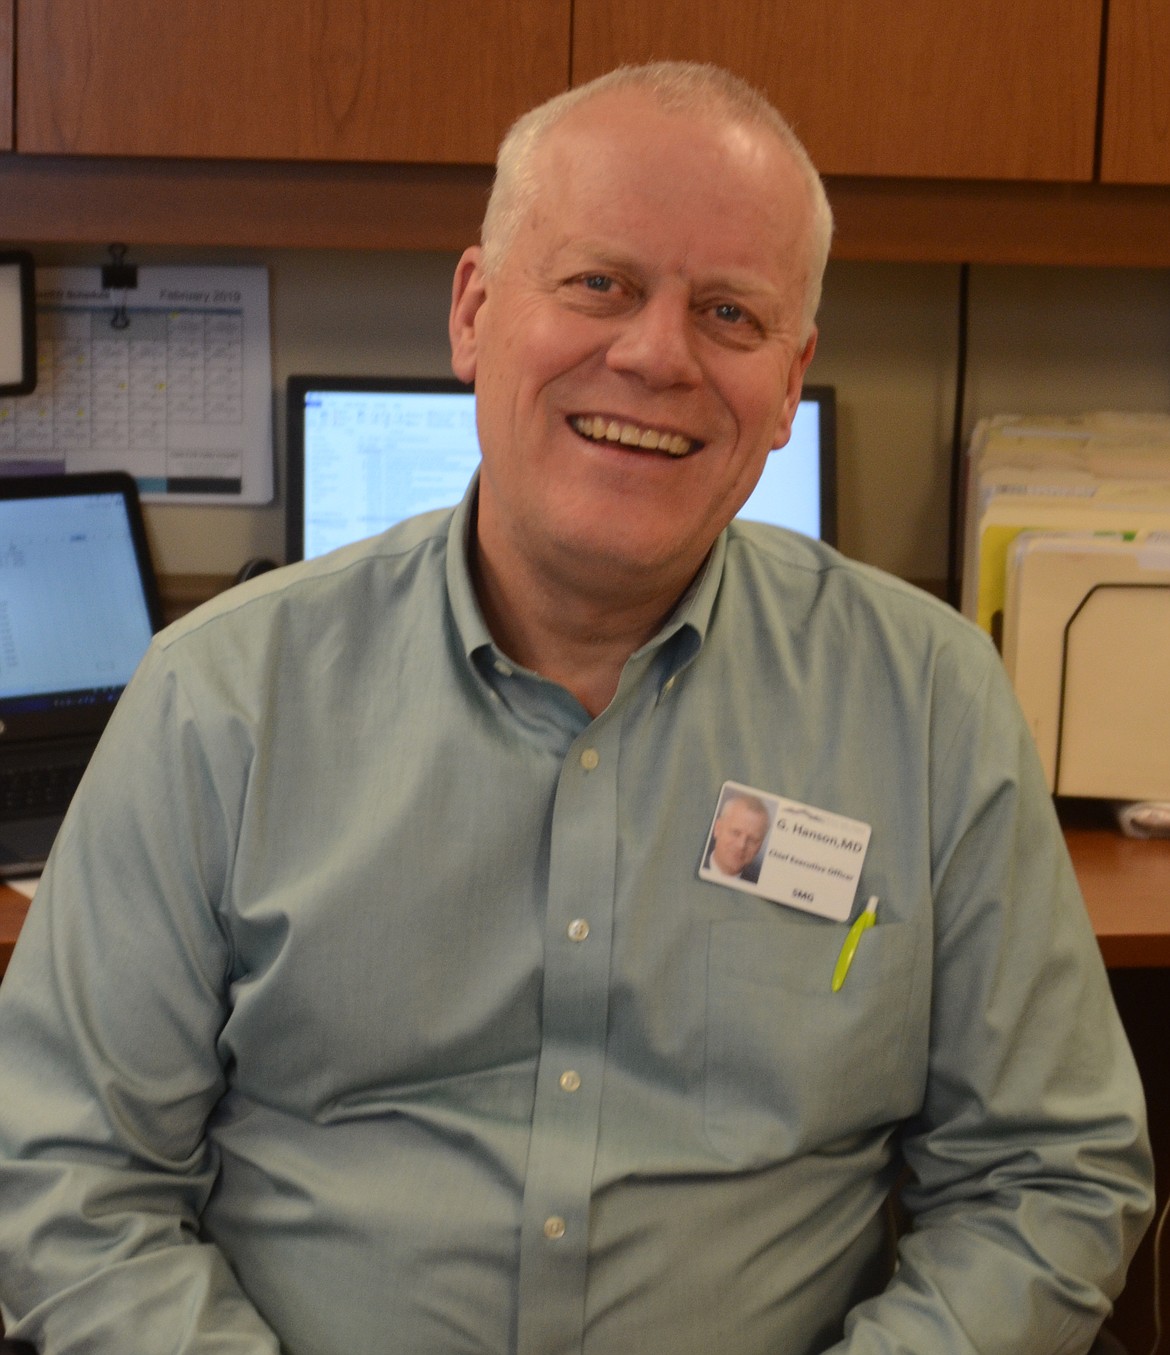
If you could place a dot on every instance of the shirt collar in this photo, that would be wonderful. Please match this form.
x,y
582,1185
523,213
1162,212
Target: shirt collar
x,y
688,621
473,631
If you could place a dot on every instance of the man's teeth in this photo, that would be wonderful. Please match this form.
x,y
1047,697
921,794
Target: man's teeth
x,y
631,435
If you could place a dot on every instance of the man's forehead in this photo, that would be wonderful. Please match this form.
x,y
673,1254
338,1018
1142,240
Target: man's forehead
x,y
602,211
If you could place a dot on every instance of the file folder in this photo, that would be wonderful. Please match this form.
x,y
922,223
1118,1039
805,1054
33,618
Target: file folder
x,y
1097,473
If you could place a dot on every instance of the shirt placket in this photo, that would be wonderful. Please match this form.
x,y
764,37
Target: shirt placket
x,y
563,1144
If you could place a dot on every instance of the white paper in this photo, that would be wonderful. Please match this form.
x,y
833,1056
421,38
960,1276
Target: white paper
x,y
180,396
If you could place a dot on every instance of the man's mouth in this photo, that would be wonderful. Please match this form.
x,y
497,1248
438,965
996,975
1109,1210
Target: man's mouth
x,y
597,428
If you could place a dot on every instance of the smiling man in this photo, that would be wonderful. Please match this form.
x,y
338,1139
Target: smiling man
x,y
637,346
377,997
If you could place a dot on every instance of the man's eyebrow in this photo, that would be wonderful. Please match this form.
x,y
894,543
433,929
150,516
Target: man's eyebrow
x,y
582,255
739,282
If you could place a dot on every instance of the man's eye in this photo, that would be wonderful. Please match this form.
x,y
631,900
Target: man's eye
x,y
730,313
597,282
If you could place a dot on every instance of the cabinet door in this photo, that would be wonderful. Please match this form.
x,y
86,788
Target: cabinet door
x,y
413,80
967,89
6,75
1135,138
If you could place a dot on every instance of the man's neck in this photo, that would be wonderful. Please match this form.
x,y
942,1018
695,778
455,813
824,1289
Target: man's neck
x,y
576,632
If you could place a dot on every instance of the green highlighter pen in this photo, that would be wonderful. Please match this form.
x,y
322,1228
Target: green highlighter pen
x,y
845,959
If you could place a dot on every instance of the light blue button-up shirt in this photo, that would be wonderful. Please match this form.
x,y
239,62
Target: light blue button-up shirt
x,y
373,1000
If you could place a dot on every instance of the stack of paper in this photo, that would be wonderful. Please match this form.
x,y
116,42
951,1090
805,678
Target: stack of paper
x,y
1096,473
1067,563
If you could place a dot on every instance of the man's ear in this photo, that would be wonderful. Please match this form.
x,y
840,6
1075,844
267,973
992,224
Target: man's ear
x,y
467,295
783,430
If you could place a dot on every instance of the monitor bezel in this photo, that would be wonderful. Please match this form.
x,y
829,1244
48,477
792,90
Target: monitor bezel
x,y
825,399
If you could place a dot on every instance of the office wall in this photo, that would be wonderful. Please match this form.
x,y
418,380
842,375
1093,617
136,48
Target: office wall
x,y
1043,340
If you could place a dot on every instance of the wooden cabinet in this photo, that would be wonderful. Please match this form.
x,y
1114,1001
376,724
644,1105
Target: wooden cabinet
x,y
6,66
338,80
975,89
979,89
960,132
1135,136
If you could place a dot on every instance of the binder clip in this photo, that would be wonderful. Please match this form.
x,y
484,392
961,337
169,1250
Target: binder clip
x,y
119,276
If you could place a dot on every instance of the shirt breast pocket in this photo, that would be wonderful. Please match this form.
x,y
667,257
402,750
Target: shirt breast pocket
x,y
791,1066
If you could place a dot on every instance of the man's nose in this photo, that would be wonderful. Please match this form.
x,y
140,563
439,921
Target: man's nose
x,y
657,343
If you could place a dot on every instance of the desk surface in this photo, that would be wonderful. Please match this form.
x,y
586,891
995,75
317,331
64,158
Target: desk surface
x,y
13,907
1126,884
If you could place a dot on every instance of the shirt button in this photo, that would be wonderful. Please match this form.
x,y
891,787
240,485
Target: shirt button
x,y
570,1080
668,684
578,929
504,669
554,1227
590,758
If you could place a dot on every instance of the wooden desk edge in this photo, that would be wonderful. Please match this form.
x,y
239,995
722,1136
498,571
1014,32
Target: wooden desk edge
x,y
1126,884
13,909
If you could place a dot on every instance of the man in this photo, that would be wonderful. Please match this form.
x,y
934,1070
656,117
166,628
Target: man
x,y
736,837
288,1062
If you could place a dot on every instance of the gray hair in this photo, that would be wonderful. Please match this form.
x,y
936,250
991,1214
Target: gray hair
x,y
752,802
678,87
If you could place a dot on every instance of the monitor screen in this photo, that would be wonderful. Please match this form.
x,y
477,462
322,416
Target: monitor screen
x,y
366,452
798,488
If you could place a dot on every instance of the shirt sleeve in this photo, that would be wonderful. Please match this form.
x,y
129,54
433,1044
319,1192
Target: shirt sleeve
x,y
109,1017
1029,1178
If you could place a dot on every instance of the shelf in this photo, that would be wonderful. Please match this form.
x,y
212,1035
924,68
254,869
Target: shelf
x,y
277,205
240,204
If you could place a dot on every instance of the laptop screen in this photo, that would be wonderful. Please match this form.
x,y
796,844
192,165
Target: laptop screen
x,y
366,452
77,600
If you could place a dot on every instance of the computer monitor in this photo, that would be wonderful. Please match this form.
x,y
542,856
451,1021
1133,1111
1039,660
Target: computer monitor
x,y
366,452
798,488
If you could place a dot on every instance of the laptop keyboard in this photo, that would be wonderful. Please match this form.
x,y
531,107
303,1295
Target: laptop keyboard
x,y
26,792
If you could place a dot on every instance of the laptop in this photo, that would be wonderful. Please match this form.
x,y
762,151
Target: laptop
x,y
78,606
